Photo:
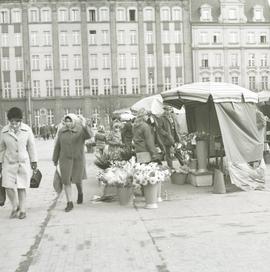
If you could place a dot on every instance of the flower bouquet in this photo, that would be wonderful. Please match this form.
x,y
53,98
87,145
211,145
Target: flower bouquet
x,y
184,149
180,174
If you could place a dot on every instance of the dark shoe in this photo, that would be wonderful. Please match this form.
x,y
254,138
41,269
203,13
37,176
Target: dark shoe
x,y
22,215
69,206
80,199
14,213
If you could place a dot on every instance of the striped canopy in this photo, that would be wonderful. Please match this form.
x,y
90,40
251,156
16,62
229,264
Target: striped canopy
x,y
202,91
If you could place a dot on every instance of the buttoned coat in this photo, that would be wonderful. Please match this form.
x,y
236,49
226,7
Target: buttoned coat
x,y
69,151
16,153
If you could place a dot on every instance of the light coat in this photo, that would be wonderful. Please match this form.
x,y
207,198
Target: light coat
x,y
16,153
69,151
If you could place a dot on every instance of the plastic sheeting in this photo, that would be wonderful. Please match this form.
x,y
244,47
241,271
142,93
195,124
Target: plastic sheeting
x,y
243,138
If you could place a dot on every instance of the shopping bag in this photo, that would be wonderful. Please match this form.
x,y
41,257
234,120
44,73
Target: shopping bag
x,y
57,182
35,179
2,193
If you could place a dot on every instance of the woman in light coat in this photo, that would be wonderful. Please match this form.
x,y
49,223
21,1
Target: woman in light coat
x,y
69,152
17,156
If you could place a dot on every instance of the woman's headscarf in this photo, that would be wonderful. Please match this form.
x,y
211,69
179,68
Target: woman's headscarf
x,y
72,117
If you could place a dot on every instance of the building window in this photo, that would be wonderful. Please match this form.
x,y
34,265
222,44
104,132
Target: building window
x,y
264,60
65,87
92,15
121,14
149,37
203,37
35,62
167,85
20,89
33,38
218,79
165,14
106,61
205,79
36,118
252,83
134,64
50,116
33,15
123,86
251,37
93,61
149,14
264,83
233,37
234,60
135,85
151,85
107,86
179,81
216,38
75,14
176,14
166,36
77,61
49,87
78,87
235,80
5,64
132,15
122,61
205,61
7,89
47,38
45,15
167,61
48,62
251,60
76,37
177,35
36,88
4,17
263,38
103,14
133,37
94,86
63,38
258,13
150,60
4,40
16,16
232,14
92,37
121,36
205,13
105,37
18,39
178,62
64,62
218,60
63,15
19,63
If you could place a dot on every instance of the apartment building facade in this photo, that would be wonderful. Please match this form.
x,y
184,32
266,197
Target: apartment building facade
x,y
90,57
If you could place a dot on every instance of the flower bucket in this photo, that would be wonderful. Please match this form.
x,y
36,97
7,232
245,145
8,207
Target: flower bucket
x,y
179,178
125,195
151,195
202,154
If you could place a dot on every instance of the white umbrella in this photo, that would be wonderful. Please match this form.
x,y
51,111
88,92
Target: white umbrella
x,y
153,104
126,116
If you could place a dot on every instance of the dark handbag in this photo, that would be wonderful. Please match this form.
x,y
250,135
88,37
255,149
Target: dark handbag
x,y
35,179
2,193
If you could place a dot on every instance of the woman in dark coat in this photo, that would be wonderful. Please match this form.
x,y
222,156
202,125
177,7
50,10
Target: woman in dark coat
x,y
69,151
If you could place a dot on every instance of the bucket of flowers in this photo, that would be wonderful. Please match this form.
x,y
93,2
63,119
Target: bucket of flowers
x,y
150,176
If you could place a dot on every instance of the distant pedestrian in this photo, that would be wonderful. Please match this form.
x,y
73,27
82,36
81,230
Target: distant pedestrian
x,y
69,152
127,134
100,139
17,156
114,140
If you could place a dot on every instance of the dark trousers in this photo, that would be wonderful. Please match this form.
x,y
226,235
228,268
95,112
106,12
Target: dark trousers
x,y
168,155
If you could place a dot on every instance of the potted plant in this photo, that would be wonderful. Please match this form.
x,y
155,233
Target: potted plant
x,y
179,175
149,176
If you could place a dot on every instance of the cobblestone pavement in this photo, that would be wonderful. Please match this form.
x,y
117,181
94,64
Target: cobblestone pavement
x,y
194,231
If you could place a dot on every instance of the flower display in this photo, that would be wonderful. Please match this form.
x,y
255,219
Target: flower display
x,y
184,149
151,173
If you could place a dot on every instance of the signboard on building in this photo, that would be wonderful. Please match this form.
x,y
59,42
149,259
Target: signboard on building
x,y
43,117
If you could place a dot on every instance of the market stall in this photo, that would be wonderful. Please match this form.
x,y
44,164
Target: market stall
x,y
228,112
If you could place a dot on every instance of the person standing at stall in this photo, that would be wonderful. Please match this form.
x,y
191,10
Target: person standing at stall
x,y
17,156
69,152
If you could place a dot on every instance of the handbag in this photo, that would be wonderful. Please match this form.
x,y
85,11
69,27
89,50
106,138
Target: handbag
x,y
2,193
57,182
35,179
